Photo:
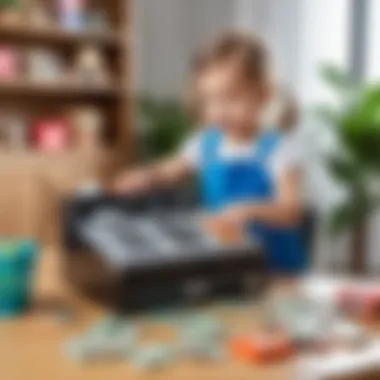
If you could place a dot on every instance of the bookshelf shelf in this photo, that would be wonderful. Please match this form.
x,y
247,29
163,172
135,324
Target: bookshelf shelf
x,y
56,36
59,90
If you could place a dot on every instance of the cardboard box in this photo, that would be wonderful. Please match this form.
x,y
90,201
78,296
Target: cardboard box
x,y
34,184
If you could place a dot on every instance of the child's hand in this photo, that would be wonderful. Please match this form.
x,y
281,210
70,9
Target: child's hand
x,y
231,218
235,215
228,227
133,182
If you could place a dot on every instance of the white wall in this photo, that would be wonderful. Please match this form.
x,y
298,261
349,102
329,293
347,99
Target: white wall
x,y
301,33
373,40
167,32
278,23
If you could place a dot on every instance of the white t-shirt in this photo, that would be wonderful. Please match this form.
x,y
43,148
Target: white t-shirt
x,y
288,154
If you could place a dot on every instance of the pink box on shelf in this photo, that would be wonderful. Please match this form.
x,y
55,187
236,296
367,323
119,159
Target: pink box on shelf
x,y
9,63
50,135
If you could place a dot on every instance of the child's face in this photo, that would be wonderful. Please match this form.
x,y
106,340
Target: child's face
x,y
228,100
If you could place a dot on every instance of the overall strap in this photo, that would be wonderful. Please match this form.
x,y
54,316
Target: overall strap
x,y
210,144
267,144
211,174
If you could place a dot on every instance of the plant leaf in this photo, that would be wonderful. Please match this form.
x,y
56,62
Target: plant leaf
x,y
165,126
345,170
338,79
359,207
9,3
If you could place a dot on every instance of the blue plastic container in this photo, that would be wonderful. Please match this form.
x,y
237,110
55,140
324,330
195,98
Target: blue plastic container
x,y
17,262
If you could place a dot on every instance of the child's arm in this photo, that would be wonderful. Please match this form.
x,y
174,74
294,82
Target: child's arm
x,y
285,210
167,172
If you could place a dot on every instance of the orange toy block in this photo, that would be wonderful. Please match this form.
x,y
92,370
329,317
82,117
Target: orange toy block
x,y
261,349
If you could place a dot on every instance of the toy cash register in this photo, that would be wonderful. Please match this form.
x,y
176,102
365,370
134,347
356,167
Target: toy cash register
x,y
144,251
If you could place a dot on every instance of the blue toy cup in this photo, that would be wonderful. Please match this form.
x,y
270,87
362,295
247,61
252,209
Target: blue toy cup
x,y
72,21
17,262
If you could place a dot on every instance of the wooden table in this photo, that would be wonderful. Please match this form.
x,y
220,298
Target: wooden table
x,y
31,346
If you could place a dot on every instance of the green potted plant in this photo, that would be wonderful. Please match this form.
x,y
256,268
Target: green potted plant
x,y
9,12
355,118
162,126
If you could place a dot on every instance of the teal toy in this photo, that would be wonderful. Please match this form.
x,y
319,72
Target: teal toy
x,y
202,337
202,327
17,261
113,338
153,356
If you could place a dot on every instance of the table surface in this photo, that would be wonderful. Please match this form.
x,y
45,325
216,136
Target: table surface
x,y
31,346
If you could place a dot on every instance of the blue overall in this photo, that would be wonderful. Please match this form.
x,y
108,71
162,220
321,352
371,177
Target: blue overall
x,y
225,182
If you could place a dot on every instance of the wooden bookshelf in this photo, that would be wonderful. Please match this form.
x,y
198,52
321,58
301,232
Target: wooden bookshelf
x,y
56,37
45,178
60,90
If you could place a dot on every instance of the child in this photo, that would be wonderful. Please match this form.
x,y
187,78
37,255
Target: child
x,y
243,183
